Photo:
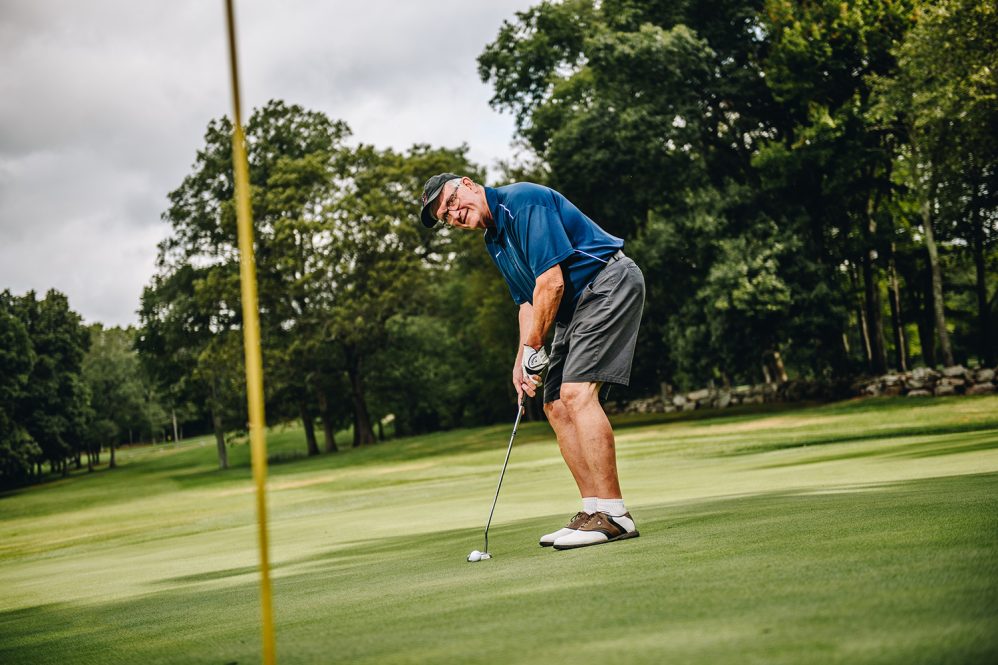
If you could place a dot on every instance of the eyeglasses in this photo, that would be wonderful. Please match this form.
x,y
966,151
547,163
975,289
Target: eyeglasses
x,y
450,204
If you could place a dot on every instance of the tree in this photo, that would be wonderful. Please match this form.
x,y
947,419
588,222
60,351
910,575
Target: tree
x,y
381,261
54,404
337,254
947,109
192,311
183,327
628,103
821,59
18,452
118,394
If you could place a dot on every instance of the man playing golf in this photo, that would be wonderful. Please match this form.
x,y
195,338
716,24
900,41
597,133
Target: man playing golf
x,y
563,271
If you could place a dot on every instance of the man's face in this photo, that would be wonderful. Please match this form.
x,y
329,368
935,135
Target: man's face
x,y
462,205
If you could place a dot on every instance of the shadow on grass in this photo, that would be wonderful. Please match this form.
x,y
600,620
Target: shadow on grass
x,y
212,575
935,446
989,427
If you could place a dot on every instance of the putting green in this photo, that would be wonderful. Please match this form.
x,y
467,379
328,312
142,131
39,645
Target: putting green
x,y
859,532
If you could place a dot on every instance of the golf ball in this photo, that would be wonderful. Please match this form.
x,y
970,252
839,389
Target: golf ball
x,y
475,556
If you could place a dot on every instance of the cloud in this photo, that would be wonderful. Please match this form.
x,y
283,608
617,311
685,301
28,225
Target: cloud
x,y
103,106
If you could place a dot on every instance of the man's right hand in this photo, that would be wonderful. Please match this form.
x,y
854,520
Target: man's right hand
x,y
520,385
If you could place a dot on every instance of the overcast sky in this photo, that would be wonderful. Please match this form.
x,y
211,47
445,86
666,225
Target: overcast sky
x,y
104,104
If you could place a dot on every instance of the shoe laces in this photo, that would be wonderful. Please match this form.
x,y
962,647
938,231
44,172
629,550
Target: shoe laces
x,y
579,515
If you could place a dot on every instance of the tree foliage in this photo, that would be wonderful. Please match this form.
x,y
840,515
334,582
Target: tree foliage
x,y
338,258
44,402
738,148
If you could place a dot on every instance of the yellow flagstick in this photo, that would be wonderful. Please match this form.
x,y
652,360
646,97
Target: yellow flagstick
x,y
251,340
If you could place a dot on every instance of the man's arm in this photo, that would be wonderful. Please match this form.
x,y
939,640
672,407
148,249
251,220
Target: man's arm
x,y
547,297
535,322
526,318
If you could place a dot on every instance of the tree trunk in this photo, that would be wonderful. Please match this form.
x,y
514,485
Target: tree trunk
x,y
176,434
362,432
986,345
861,320
90,458
223,454
328,433
926,319
308,422
874,320
112,464
871,283
900,342
779,370
938,304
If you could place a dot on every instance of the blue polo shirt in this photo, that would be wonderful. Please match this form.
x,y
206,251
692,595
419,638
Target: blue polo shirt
x,y
537,228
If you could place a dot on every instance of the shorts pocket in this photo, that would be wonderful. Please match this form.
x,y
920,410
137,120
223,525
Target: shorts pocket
x,y
607,279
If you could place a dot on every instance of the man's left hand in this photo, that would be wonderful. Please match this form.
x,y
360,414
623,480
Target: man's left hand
x,y
534,362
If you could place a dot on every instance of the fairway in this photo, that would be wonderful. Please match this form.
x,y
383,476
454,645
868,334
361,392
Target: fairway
x,y
857,532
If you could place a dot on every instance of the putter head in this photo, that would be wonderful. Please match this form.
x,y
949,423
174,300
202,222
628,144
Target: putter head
x,y
485,555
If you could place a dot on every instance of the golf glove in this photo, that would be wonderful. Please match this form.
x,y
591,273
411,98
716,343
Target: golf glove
x,y
534,362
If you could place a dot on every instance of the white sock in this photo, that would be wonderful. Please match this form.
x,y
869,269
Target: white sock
x,y
615,509
612,507
589,504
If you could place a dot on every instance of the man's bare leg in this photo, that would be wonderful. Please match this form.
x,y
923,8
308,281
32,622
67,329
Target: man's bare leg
x,y
593,438
575,459
570,446
587,446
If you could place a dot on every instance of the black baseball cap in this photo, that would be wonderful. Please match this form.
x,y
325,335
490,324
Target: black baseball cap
x,y
431,190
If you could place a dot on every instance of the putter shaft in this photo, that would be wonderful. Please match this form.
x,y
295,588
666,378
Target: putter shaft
x,y
509,448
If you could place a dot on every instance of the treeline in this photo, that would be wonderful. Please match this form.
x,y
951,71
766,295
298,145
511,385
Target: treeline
x,y
67,390
810,187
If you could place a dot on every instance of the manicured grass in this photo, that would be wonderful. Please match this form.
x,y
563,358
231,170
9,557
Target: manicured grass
x,y
857,532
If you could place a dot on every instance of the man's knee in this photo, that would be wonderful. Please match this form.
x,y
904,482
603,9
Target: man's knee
x,y
556,411
576,396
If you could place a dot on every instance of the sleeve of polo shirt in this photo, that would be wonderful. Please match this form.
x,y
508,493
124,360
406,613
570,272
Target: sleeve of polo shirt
x,y
547,243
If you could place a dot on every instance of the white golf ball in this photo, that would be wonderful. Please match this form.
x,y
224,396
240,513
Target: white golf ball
x,y
475,556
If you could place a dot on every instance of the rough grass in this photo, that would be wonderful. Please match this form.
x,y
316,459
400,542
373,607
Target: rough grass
x,y
858,532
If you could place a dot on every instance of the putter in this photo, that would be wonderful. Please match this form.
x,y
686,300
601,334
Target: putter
x,y
484,554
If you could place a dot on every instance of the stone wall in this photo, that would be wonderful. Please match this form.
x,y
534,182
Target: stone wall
x,y
723,397
920,382
926,382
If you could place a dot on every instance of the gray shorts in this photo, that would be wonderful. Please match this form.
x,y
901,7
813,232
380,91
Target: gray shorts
x,y
597,346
